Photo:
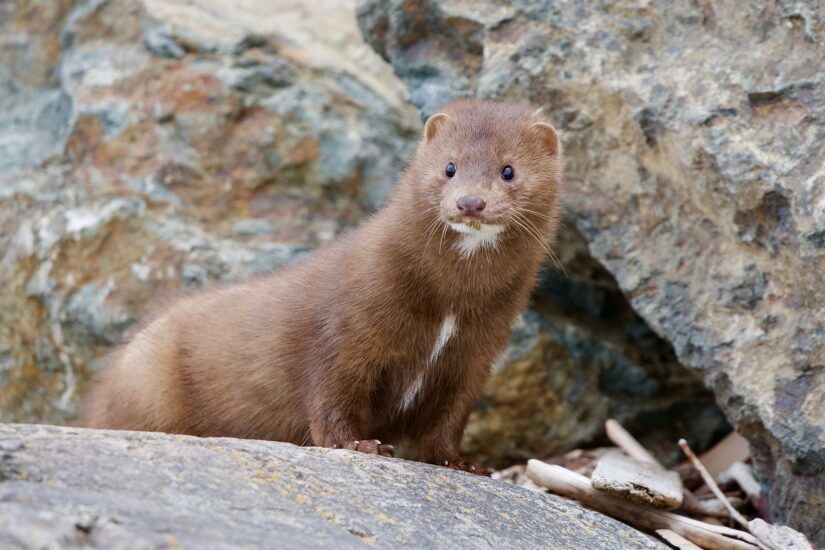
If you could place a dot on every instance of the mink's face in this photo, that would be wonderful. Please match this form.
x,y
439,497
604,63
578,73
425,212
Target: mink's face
x,y
489,169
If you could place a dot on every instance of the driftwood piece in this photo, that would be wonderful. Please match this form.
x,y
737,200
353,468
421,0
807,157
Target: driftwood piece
x,y
626,442
732,448
640,482
569,484
677,540
581,461
741,473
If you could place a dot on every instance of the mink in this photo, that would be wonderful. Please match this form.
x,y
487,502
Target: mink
x,y
386,334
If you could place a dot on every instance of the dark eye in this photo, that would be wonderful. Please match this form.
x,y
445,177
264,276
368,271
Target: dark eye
x,y
450,170
507,173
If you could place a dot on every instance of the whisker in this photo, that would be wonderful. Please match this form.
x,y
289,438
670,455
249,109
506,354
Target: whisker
x,y
543,215
443,233
522,230
430,231
536,234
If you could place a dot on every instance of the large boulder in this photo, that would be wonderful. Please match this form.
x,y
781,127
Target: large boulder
x,y
151,148
694,135
62,487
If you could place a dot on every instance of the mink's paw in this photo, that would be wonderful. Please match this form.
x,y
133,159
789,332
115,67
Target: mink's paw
x,y
467,466
368,446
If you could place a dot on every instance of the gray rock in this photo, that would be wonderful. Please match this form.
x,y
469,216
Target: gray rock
x,y
100,489
694,149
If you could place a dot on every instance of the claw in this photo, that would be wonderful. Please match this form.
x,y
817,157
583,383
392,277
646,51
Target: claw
x,y
467,466
367,446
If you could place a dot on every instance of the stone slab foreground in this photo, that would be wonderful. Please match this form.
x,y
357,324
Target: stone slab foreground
x,y
103,489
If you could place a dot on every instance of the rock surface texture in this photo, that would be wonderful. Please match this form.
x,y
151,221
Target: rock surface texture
x,y
155,147
99,489
695,140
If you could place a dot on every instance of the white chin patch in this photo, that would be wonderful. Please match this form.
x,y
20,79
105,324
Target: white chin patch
x,y
472,239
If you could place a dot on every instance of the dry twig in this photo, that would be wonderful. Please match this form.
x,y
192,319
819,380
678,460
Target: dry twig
x,y
709,481
569,484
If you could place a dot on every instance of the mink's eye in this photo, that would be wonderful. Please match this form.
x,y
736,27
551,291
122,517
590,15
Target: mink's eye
x,y
450,170
507,173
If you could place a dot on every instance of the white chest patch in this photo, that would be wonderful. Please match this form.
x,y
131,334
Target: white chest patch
x,y
471,239
448,328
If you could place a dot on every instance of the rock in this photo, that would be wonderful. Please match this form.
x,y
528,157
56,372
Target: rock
x,y
105,489
641,482
151,148
778,537
694,160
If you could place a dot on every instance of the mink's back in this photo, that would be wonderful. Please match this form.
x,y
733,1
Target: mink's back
x,y
232,361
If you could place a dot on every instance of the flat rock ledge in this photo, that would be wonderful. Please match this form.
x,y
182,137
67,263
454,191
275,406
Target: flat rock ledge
x,y
70,487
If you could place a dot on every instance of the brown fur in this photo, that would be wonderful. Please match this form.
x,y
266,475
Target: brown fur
x,y
323,351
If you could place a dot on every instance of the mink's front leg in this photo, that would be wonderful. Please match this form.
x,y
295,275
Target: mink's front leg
x,y
441,445
340,409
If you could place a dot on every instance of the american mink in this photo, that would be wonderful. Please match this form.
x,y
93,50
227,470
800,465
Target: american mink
x,y
387,333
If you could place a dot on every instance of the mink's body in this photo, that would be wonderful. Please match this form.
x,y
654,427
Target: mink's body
x,y
387,333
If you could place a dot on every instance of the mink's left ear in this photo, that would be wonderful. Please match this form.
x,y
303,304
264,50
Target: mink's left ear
x,y
436,123
547,135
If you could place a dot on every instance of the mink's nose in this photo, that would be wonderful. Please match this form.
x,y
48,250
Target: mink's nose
x,y
470,206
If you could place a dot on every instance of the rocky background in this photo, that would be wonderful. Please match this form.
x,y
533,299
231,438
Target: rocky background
x,y
149,148
695,136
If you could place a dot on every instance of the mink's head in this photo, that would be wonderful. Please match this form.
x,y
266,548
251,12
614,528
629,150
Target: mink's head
x,y
487,168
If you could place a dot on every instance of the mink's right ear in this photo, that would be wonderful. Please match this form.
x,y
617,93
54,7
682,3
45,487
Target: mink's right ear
x,y
435,124
547,135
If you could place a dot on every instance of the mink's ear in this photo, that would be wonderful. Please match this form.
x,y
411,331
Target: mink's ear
x,y
547,135
435,124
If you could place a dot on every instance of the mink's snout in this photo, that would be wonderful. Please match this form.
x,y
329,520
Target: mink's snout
x,y
469,205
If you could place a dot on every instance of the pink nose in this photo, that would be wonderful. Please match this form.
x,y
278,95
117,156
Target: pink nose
x,y
470,206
